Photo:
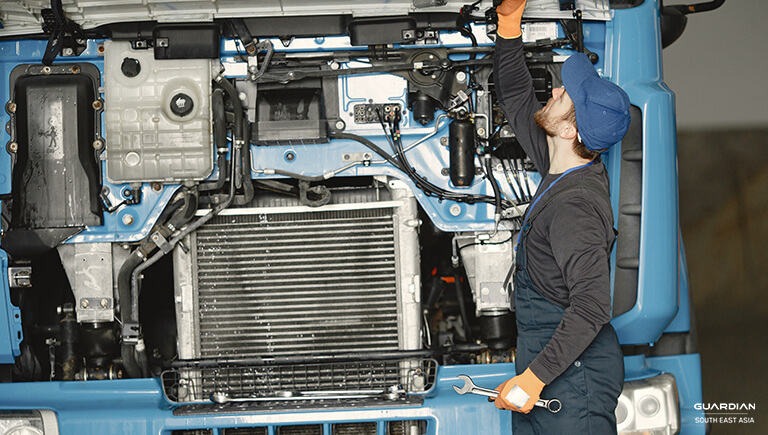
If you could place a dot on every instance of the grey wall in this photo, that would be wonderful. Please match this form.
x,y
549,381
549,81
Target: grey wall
x,y
719,67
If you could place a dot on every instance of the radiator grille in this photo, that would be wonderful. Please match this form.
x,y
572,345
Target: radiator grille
x,y
297,283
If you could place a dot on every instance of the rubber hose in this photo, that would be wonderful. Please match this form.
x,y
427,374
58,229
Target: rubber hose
x,y
124,294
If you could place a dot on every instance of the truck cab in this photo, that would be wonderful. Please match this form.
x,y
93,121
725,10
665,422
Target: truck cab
x,y
300,217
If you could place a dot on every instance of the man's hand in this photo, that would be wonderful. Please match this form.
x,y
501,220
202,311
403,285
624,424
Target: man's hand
x,y
510,14
529,383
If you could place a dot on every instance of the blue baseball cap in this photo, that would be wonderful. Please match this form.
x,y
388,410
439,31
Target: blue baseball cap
x,y
602,107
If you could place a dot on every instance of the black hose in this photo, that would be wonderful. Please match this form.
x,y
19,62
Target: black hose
x,y
124,296
236,105
494,185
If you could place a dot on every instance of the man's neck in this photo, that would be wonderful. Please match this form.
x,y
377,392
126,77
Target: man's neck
x,y
561,156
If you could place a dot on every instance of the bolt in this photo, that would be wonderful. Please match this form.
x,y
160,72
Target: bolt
x,y
290,156
75,69
97,144
367,156
444,172
104,303
97,105
444,141
461,76
12,108
13,147
434,77
46,70
455,210
346,157
340,125
334,65
67,52
127,219
252,68
100,49
478,171
157,187
242,96
250,49
481,132
485,291
84,303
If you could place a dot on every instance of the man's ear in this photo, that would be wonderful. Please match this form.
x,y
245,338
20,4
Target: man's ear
x,y
568,131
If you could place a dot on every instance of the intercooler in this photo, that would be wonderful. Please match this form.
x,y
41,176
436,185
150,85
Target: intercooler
x,y
291,282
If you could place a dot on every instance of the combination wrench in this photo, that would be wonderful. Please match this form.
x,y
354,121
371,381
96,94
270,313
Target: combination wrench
x,y
516,396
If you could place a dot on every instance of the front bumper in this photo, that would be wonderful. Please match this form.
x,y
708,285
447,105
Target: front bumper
x,y
138,405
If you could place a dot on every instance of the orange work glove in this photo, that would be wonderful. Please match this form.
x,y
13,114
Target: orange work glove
x,y
529,383
510,14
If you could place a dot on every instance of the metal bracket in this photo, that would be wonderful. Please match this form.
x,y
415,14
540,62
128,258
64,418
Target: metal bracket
x,y
131,332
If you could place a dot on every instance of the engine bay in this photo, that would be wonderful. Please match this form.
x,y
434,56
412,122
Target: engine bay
x,y
250,216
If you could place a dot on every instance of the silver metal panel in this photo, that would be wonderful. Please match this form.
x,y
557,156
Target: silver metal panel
x,y
89,269
486,277
23,16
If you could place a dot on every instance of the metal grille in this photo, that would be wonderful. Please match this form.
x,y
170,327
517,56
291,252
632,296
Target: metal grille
x,y
297,284
196,385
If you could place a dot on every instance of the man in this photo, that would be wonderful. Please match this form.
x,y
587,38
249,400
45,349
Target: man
x,y
566,348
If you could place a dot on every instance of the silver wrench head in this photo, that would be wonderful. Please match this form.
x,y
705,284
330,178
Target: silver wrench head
x,y
467,387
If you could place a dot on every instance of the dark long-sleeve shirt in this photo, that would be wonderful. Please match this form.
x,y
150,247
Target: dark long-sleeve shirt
x,y
569,244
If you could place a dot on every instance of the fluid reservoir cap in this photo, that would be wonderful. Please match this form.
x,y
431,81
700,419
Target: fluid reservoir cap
x,y
181,104
130,67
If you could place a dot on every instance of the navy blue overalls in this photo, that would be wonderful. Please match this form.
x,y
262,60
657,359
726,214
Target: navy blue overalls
x,y
589,388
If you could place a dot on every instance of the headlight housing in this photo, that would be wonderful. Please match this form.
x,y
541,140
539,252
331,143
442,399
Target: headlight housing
x,y
32,422
649,407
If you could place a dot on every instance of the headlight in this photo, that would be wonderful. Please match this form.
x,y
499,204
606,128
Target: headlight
x,y
649,407
36,422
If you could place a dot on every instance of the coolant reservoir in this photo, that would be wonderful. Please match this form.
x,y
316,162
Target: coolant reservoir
x,y
158,116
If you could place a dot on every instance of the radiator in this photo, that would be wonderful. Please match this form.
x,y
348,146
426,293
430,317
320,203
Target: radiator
x,y
299,281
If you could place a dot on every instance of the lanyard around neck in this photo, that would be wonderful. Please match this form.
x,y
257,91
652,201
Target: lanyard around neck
x,y
538,197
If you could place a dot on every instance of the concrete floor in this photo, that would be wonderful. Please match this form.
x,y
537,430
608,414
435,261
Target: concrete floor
x,y
724,219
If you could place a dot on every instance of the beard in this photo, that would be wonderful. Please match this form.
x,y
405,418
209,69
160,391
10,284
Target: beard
x,y
545,121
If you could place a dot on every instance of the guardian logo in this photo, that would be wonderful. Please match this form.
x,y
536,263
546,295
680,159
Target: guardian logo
x,y
724,406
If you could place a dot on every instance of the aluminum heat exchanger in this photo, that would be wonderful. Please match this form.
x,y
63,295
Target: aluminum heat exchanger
x,y
298,281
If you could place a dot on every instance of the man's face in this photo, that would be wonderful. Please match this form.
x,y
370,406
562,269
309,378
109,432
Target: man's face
x,y
552,116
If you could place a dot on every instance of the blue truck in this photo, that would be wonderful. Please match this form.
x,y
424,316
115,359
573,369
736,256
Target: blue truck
x,y
299,217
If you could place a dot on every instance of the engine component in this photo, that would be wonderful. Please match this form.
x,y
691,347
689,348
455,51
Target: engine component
x,y
198,41
89,269
488,263
68,359
158,120
98,345
498,330
461,142
290,116
261,289
56,175
422,108
375,113
279,281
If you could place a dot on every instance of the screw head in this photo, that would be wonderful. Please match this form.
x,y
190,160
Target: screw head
x,y
340,125
481,132
98,144
97,105
127,219
12,108
290,156
455,210
444,141
104,303
13,147
84,303
444,172
461,76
